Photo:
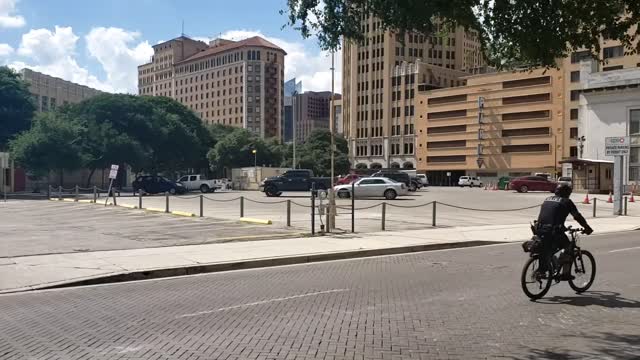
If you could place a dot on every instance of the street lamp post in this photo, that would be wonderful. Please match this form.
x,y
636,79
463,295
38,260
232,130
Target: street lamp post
x,y
581,140
332,199
294,120
255,163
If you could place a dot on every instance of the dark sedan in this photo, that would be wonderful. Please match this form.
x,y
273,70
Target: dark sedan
x,y
150,184
532,183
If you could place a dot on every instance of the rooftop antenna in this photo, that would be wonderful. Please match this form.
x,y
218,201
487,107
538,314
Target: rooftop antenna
x,y
182,27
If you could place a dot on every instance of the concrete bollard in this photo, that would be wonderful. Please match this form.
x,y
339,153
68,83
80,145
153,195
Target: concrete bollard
x,y
288,212
139,199
166,202
201,205
595,201
626,202
433,215
241,206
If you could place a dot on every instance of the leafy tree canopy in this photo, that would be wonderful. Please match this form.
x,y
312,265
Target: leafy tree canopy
x,y
314,154
16,106
533,32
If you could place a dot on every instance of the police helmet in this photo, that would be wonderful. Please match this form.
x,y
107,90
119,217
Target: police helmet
x,y
564,190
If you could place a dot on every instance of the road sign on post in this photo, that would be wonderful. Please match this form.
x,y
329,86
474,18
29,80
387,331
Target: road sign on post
x,y
617,146
113,174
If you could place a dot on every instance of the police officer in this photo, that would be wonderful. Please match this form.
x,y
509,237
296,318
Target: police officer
x,y
551,229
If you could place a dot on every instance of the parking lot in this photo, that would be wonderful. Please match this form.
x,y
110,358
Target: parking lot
x,y
40,227
455,207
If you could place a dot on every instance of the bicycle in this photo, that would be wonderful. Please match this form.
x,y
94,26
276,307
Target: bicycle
x,y
536,283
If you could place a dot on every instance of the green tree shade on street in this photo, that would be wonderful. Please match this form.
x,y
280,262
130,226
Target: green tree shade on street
x,y
16,106
54,143
315,154
513,32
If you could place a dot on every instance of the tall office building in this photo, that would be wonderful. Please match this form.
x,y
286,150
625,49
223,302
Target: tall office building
x,y
50,92
311,111
291,88
380,78
236,83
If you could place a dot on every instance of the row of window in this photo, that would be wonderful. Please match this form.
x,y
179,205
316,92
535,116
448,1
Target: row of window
x,y
190,89
607,53
408,94
507,149
377,149
216,61
408,111
408,79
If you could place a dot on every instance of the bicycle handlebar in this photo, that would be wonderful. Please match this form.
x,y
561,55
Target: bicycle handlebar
x,y
575,230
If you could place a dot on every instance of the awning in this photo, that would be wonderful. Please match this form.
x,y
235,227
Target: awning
x,y
585,161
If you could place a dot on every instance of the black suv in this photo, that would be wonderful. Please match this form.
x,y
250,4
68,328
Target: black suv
x,y
151,184
399,176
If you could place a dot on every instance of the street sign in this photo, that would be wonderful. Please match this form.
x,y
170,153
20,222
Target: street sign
x,y
480,162
617,146
114,172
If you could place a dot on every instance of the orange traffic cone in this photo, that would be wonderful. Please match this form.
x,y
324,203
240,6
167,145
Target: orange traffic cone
x,y
586,199
610,199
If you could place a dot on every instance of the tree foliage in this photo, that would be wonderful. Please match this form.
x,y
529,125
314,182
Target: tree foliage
x,y
16,106
54,143
315,154
235,149
513,32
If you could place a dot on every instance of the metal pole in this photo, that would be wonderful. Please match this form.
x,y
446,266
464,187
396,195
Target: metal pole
x,y
293,115
595,201
353,206
384,214
241,206
48,192
332,196
139,199
77,193
95,194
115,203
313,208
201,205
166,202
618,184
59,192
288,212
626,201
433,215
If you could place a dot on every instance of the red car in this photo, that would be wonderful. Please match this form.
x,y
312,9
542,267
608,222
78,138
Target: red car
x,y
532,183
348,179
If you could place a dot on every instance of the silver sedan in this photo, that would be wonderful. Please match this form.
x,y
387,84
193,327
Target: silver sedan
x,y
373,187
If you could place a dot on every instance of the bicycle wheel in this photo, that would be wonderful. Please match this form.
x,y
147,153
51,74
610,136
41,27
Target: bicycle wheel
x,y
584,270
535,283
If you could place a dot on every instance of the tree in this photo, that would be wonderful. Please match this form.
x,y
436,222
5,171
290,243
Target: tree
x,y
16,106
236,150
314,155
529,32
53,144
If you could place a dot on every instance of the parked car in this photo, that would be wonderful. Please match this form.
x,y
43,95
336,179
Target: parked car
x,y
399,176
565,180
532,183
293,180
422,178
348,179
469,181
152,184
198,182
373,187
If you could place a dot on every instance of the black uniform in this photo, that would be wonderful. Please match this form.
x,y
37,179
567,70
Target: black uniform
x,y
551,230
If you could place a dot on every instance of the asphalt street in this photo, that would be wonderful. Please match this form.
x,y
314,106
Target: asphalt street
x,y
453,304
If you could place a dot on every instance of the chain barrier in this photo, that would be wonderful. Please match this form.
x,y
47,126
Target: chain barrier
x,y
219,200
410,206
265,202
488,210
302,205
362,208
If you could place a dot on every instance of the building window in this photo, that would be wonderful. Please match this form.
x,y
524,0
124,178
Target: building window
x,y
526,99
526,82
575,95
576,57
634,123
573,132
525,148
447,159
573,151
575,76
611,68
525,132
612,52
573,114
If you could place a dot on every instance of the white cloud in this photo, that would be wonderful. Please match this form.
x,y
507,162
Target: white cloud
x,y
53,53
8,18
5,50
312,67
116,51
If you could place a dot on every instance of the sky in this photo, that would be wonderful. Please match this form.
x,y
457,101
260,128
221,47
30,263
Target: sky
x,y
100,43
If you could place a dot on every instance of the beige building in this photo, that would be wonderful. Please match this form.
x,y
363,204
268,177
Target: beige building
x,y
50,92
519,132
311,111
236,83
380,79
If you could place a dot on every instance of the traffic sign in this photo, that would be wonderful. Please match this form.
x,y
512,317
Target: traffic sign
x,y
480,162
617,146
114,172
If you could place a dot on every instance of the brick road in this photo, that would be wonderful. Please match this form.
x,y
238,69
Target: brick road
x,y
456,304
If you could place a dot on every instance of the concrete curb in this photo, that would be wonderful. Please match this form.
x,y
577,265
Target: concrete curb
x,y
255,221
253,264
128,206
154,210
183,213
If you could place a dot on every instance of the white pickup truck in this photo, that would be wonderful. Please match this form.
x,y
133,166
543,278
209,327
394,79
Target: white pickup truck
x,y
199,182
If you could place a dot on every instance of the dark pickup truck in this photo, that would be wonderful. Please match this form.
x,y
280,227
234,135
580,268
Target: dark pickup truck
x,y
294,180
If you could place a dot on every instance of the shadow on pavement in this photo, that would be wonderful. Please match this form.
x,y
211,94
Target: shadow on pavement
x,y
602,345
606,299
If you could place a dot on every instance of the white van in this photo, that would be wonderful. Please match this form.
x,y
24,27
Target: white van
x,y
469,181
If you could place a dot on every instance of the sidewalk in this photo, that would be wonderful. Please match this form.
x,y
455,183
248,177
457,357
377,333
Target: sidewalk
x,y
43,271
